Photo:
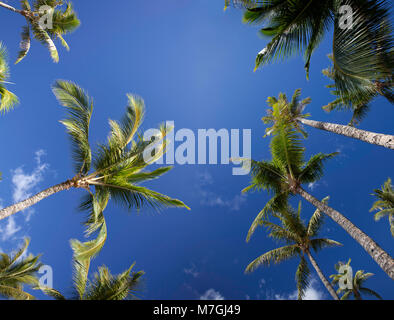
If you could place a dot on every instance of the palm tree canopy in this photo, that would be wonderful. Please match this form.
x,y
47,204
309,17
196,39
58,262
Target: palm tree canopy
x,y
358,281
286,171
298,237
281,111
102,286
16,271
116,169
64,21
362,55
385,203
7,99
352,101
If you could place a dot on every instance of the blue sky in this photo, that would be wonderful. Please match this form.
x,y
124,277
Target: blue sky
x,y
193,64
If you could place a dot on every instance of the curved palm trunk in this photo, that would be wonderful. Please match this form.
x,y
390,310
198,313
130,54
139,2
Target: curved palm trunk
x,y
322,277
22,205
381,257
384,140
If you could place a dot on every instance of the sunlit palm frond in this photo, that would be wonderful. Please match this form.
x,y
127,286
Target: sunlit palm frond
x,y
316,221
274,204
105,286
16,271
79,107
24,44
385,203
287,150
8,100
62,18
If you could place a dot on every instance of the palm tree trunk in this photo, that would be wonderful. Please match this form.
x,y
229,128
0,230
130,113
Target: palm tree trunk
x,y
22,205
322,277
384,140
381,257
4,5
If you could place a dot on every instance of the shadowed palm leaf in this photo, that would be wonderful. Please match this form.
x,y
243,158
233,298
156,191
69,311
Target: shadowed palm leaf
x,y
362,55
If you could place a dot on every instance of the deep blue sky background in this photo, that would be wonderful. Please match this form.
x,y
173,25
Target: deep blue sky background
x,y
193,64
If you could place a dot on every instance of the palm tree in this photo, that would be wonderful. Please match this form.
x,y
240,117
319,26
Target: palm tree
x,y
64,21
16,271
117,166
362,48
300,240
7,99
283,111
359,105
284,176
357,285
103,286
385,204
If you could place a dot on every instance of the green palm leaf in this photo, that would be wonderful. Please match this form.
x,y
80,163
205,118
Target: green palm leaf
x,y
80,107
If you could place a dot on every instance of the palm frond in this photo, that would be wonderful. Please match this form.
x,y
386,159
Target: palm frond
x,y
8,100
274,256
108,287
302,277
362,55
79,107
316,221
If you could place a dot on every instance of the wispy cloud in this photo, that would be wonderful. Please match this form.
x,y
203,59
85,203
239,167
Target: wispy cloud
x,y
23,185
192,271
212,294
10,229
212,199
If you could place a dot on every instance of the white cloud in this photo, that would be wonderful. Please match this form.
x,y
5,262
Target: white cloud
x,y
212,199
313,185
10,229
192,271
23,186
311,293
24,183
261,283
211,294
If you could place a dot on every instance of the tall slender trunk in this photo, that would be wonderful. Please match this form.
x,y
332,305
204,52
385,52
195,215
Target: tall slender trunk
x,y
384,140
381,257
4,5
322,277
22,205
